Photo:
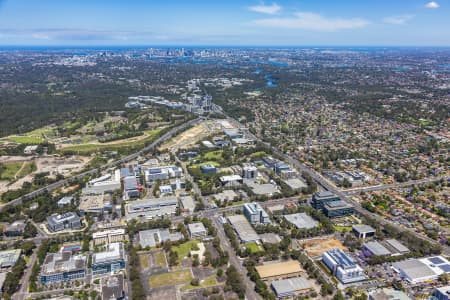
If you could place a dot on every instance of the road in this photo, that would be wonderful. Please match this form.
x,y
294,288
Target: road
x,y
125,159
250,293
382,187
320,180
23,291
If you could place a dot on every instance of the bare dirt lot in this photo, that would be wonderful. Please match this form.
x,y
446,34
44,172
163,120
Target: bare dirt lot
x,y
190,136
51,164
318,246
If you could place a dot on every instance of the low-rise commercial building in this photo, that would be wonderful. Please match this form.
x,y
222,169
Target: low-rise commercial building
x,y
388,294
110,260
62,266
442,293
255,213
162,173
249,171
291,287
422,270
59,222
339,208
188,203
301,221
231,180
113,287
151,208
64,201
104,184
108,236
375,248
363,231
16,228
278,270
197,230
154,237
130,187
8,258
319,199
343,266
244,230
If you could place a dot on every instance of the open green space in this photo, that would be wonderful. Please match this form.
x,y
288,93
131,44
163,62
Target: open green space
x,y
134,142
144,260
207,282
171,278
184,249
213,155
9,170
160,259
340,228
253,247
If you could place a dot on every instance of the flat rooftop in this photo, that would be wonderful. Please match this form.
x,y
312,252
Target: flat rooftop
x,y
279,269
243,228
291,285
363,228
376,248
301,221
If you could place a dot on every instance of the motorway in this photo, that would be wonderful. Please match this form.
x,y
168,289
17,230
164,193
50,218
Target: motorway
x,y
125,159
320,180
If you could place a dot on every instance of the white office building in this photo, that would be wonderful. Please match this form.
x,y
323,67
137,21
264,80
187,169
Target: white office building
x,y
343,266
255,213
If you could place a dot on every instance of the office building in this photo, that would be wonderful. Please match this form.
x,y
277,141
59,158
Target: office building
x,y
255,213
161,173
197,230
339,208
375,248
111,260
130,187
243,228
249,172
113,288
231,180
421,270
363,231
388,294
343,266
68,220
188,203
8,258
291,287
108,236
16,228
442,293
279,270
64,201
152,208
301,221
208,169
319,199
154,237
104,184
61,267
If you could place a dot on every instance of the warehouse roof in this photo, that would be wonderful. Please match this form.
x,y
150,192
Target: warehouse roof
x,y
279,269
376,248
301,220
289,286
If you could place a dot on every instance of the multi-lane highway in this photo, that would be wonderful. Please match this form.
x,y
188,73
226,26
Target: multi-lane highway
x,y
125,159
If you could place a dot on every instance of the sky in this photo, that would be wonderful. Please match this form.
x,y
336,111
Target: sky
x,y
225,22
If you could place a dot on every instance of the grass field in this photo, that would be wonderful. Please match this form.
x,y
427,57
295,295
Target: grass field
x,y
32,137
184,249
140,141
171,278
253,247
339,228
207,282
143,261
27,168
160,259
8,170
213,155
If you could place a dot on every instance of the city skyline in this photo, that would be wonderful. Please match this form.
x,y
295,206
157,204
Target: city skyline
x,y
231,23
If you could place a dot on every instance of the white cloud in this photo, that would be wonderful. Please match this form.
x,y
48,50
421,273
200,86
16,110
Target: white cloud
x,y
432,5
398,20
266,9
312,21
